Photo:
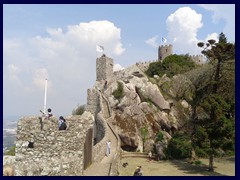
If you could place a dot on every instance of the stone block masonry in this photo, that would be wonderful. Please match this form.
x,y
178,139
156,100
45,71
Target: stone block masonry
x,y
164,51
104,68
92,102
50,152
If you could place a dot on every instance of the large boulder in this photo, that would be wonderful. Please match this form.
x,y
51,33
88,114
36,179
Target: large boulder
x,y
129,143
152,92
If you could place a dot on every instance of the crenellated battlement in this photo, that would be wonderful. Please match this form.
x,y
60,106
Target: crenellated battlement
x,y
198,59
164,51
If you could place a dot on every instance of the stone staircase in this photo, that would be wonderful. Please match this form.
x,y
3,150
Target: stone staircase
x,y
135,154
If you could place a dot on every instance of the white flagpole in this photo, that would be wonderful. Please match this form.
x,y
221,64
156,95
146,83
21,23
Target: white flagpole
x,y
45,98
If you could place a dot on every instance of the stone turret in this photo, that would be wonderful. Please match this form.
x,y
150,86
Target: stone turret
x,y
104,68
164,51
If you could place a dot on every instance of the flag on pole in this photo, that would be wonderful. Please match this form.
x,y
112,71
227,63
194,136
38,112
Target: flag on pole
x,y
99,48
164,40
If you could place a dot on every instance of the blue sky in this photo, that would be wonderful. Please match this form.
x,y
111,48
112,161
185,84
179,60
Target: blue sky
x,y
58,42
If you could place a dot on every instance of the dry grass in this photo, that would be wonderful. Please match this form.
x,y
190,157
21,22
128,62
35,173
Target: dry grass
x,y
223,167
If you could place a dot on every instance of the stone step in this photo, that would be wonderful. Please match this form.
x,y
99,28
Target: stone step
x,y
133,154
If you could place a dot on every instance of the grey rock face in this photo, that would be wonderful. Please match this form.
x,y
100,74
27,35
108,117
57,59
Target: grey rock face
x,y
159,147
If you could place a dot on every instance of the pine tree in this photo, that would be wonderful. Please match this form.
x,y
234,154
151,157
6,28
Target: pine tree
x,y
215,130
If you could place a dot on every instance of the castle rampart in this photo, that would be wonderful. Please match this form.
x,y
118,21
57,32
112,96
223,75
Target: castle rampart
x,y
50,152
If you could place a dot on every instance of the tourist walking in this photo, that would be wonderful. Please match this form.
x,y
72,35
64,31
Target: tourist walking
x,y
150,155
108,148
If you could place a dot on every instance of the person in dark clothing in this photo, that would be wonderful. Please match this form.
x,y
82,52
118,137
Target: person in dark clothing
x,y
49,114
105,86
138,171
62,123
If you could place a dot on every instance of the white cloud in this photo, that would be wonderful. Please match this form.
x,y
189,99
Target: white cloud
x,y
183,26
213,36
39,77
224,12
67,59
104,33
117,67
152,41
13,72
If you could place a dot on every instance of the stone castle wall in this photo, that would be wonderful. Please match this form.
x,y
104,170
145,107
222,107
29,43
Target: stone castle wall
x,y
99,150
50,151
144,65
104,68
166,50
198,59
92,102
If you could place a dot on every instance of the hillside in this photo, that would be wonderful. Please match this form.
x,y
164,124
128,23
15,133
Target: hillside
x,y
158,104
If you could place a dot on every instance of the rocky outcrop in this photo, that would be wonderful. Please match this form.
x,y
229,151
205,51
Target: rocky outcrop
x,y
143,106
159,149
152,92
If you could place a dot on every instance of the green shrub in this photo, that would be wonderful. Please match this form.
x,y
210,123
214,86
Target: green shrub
x,y
198,162
11,151
179,147
79,110
155,68
201,153
159,136
119,92
171,65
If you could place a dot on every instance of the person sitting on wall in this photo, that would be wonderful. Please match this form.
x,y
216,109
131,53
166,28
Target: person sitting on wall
x,y
49,114
62,123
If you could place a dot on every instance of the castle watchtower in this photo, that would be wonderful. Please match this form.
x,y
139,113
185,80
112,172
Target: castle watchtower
x,y
164,51
104,68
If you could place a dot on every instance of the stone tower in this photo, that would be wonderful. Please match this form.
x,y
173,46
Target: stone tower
x,y
104,68
164,51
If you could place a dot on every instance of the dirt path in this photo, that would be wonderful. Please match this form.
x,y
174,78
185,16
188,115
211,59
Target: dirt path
x,y
223,166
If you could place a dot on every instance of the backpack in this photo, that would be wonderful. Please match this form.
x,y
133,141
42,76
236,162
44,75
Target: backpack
x,y
63,126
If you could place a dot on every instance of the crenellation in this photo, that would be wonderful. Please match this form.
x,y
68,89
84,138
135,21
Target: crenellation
x,y
164,51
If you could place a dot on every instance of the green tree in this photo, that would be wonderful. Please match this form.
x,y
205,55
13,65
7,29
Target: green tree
x,y
144,133
179,146
119,92
222,38
216,128
172,65
159,136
